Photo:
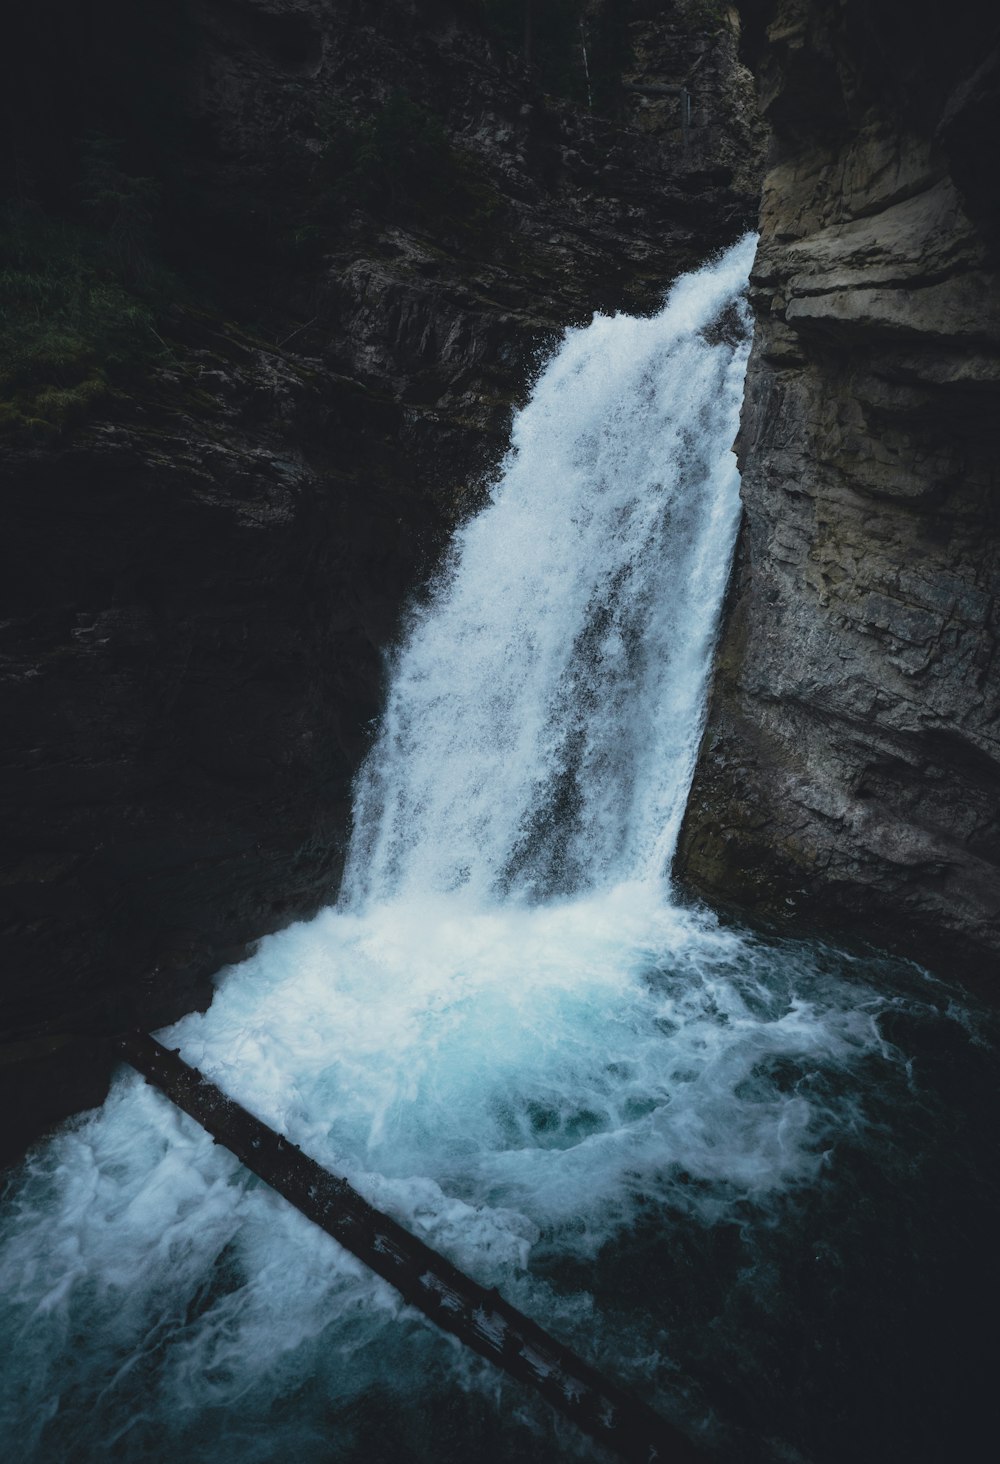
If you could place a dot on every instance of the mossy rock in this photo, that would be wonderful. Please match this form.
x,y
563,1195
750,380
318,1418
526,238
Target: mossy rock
x,y
71,322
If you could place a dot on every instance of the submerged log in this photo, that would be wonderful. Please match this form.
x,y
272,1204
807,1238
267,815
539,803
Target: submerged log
x,y
453,1301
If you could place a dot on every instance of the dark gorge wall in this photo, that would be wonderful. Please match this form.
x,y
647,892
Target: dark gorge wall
x,y
274,274
850,771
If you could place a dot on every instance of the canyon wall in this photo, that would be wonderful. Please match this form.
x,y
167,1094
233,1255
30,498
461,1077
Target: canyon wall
x,y
849,777
277,272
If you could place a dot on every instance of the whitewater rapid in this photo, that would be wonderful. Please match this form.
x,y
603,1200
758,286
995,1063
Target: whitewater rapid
x,y
507,1034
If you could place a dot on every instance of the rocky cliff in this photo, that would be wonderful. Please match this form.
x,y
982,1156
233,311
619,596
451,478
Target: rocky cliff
x,y
275,273
850,771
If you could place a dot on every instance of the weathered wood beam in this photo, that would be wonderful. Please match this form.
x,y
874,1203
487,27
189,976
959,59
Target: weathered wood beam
x,y
452,1300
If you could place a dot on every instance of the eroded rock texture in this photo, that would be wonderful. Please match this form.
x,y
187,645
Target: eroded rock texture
x,y
850,772
377,218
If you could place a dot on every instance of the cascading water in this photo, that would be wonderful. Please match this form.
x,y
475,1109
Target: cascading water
x,y
711,1162
543,716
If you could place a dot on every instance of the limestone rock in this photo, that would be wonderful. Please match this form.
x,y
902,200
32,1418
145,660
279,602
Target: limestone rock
x,y
850,770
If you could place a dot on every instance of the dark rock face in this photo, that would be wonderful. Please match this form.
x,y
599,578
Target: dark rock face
x,y
850,771
203,569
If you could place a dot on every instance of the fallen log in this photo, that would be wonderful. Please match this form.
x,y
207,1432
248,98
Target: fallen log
x,y
453,1301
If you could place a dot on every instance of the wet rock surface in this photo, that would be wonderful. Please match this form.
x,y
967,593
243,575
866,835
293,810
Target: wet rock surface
x,y
850,771
203,571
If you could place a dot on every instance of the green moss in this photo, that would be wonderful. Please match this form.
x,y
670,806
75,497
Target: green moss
x,y
78,310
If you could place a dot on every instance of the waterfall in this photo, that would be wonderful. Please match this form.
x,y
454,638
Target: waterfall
x,y
649,1130
544,711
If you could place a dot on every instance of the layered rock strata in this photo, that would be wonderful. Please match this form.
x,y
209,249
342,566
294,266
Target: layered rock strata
x,y
850,769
